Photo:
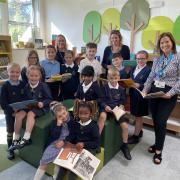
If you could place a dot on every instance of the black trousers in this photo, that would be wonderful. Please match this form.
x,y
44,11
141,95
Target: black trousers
x,y
161,110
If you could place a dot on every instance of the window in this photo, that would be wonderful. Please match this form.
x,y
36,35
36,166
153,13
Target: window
x,y
22,22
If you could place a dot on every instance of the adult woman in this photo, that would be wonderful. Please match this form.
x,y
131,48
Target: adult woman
x,y
61,47
165,76
115,46
33,59
138,105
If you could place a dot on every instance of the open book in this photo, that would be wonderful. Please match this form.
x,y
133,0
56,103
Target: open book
x,y
28,104
82,163
151,95
118,112
128,82
62,77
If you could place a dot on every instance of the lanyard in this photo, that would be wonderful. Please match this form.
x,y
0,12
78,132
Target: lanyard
x,y
162,64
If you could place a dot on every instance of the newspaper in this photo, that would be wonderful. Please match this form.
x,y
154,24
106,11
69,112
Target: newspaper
x,y
82,163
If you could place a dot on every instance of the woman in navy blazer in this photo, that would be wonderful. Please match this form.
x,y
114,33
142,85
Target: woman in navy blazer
x,y
138,105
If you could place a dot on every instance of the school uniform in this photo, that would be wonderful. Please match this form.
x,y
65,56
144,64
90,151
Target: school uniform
x,y
52,68
90,92
58,133
113,96
139,105
69,88
41,93
11,93
60,57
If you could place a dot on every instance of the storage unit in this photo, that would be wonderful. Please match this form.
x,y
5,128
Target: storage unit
x,y
5,56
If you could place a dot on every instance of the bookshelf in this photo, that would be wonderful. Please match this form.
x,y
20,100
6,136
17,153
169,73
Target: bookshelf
x,y
5,56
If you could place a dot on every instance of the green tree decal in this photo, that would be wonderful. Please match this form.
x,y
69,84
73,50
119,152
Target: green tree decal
x,y
176,30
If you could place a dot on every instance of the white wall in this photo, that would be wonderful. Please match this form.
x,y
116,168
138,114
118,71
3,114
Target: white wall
x,y
66,17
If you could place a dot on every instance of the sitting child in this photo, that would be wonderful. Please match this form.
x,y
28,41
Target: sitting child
x,y
59,130
34,90
83,134
69,87
12,91
114,95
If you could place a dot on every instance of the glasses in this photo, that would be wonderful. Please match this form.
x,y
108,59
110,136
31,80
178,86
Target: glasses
x,y
33,57
140,59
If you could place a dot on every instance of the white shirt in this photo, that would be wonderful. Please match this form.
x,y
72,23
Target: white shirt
x,y
94,63
112,87
137,70
86,87
85,123
71,66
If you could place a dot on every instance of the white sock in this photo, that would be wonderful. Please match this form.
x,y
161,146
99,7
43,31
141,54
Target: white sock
x,y
16,136
56,170
39,174
27,135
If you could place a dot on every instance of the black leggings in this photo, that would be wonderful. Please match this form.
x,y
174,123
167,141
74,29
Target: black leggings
x,y
161,110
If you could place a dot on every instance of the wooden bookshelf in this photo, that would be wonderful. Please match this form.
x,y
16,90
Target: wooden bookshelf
x,y
5,55
173,123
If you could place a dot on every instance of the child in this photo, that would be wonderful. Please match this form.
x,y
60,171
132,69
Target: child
x,y
33,59
69,87
114,95
12,91
88,90
51,67
59,130
33,90
138,105
91,49
83,134
117,63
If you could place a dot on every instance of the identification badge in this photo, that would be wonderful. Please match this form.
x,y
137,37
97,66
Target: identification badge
x,y
159,84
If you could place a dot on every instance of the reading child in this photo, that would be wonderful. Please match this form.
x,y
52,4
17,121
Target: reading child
x,y
117,63
91,49
69,87
59,131
114,95
51,67
33,59
34,90
138,105
12,91
83,134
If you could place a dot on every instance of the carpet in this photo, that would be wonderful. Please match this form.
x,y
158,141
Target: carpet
x,y
4,162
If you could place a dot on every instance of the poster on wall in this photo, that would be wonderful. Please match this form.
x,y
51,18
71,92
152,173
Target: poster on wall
x,y
176,30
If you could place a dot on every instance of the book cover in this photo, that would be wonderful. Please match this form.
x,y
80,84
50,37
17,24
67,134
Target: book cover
x,y
118,112
127,82
82,163
28,104
151,95
61,77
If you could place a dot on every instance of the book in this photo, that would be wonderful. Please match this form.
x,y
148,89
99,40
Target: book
x,y
27,104
61,77
151,95
131,63
127,82
82,163
118,112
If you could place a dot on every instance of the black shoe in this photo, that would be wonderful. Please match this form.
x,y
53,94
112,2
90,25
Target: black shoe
x,y
23,142
133,139
124,148
13,145
10,155
141,134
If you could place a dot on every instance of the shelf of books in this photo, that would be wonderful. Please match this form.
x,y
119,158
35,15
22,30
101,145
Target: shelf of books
x,y
173,123
5,56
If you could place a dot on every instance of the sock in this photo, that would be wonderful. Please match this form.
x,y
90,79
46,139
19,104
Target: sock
x,y
16,136
56,171
39,174
124,144
9,139
27,135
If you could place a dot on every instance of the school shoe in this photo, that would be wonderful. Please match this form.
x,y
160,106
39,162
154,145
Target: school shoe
x,y
23,143
124,148
13,145
10,155
135,139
